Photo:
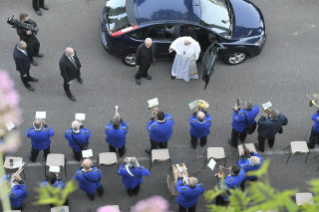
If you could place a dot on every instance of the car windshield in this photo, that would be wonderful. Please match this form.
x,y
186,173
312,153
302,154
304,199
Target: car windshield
x,y
216,15
116,15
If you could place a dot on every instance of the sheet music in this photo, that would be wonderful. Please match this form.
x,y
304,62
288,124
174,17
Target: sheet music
x,y
9,125
267,105
55,169
80,116
40,114
87,153
193,105
17,164
211,164
152,102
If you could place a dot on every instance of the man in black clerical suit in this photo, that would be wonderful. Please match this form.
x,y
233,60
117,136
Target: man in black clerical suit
x,y
20,56
70,67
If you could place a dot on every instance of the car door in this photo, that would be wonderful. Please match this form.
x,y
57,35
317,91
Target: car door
x,y
210,57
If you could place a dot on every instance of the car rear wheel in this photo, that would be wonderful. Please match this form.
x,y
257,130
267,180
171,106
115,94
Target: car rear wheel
x,y
129,59
235,58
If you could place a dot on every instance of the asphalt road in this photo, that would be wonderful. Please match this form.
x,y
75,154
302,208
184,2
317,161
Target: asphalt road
x,y
284,72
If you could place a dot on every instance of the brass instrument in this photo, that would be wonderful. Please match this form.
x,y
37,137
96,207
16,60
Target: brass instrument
x,y
152,104
17,172
247,153
239,103
221,168
266,107
116,110
313,101
202,105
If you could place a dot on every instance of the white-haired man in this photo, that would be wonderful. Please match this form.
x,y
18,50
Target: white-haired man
x,y
187,52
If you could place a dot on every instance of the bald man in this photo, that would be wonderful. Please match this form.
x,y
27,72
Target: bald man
x,y
70,67
200,123
89,178
78,137
145,56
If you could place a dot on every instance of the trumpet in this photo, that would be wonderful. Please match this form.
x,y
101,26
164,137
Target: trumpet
x,y
18,172
221,168
313,101
240,103
117,110
266,107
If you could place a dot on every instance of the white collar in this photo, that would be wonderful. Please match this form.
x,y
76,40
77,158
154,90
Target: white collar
x,y
159,121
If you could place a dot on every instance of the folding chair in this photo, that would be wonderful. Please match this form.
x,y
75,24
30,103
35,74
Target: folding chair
x,y
160,155
58,209
216,153
55,159
116,207
298,147
304,198
171,185
13,211
6,164
107,158
251,146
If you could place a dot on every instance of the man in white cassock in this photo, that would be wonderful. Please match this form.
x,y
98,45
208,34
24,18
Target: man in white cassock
x,y
187,52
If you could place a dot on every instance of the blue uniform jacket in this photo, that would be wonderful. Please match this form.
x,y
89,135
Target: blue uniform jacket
x,y
161,132
188,196
129,181
239,121
116,137
268,127
94,175
247,166
200,129
40,140
56,184
316,124
80,137
232,182
17,193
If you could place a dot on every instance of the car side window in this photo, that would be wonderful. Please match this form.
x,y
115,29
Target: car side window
x,y
138,34
162,33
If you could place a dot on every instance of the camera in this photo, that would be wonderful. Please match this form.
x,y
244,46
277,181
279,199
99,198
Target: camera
x,y
28,25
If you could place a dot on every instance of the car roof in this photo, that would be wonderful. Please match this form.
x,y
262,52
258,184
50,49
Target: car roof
x,y
166,10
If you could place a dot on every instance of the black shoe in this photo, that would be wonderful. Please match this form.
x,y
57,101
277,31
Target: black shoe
x,y
229,141
29,156
22,207
257,147
34,63
138,81
172,77
31,89
148,151
72,98
80,80
39,55
44,7
148,77
34,80
39,13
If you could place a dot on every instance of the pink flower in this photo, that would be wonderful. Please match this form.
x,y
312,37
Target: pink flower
x,y
152,204
107,208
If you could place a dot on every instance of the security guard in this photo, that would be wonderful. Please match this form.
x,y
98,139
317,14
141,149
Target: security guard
x,y
40,135
249,113
188,194
232,181
89,179
116,134
200,123
76,136
160,130
17,193
132,175
314,136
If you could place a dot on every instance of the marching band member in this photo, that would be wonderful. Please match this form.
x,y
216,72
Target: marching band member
x,y
200,123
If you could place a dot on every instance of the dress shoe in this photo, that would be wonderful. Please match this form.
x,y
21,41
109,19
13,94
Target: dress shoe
x,y
39,13
73,156
34,63
29,156
148,77
72,98
80,80
173,77
229,141
148,151
257,147
34,80
22,207
138,81
31,89
39,55
45,7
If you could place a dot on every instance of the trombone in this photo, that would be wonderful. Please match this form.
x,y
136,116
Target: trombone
x,y
313,101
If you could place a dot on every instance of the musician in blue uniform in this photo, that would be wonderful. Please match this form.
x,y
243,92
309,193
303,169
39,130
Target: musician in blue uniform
x,y
188,194
89,178
232,181
40,135
314,136
116,134
78,136
200,123
160,130
18,191
132,175
241,119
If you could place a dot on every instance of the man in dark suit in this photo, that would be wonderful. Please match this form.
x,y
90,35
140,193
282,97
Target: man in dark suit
x,y
20,56
70,67
37,4
145,56
31,40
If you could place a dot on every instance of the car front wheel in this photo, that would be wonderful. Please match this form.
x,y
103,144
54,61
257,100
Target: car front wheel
x,y
129,59
235,58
